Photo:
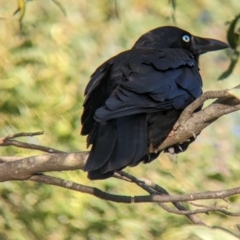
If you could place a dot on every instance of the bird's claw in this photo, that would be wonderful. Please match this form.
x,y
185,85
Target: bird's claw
x,y
172,154
194,135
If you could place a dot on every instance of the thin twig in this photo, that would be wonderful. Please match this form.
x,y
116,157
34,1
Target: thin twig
x,y
190,212
149,186
21,134
7,141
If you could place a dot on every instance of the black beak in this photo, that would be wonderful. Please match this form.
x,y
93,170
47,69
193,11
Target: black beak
x,y
203,45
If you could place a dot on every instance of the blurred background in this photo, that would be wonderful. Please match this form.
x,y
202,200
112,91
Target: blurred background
x,y
43,73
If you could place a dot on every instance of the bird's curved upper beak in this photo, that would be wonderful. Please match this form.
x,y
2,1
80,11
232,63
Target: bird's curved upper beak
x,y
203,45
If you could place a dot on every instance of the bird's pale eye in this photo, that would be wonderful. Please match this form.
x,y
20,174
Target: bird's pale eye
x,y
186,38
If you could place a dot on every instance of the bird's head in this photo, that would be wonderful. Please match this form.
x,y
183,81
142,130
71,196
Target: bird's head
x,y
173,37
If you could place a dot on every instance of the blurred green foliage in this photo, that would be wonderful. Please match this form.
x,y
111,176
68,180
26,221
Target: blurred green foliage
x,y
43,73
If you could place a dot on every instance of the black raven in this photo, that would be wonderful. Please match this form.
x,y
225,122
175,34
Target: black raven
x,y
133,99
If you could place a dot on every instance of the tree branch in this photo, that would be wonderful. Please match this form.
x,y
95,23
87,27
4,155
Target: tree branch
x,y
188,125
24,168
140,199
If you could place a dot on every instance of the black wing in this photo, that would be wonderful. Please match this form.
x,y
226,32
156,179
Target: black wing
x,y
133,100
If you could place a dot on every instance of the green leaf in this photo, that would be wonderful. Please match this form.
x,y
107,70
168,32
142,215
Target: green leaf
x,y
232,36
234,60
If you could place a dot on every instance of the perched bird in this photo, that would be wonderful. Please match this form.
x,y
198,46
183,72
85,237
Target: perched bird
x,y
133,100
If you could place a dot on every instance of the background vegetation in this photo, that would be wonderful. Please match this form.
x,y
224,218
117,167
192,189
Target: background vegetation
x,y
43,73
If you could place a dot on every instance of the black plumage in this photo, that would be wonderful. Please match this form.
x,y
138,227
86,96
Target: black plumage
x,y
133,99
